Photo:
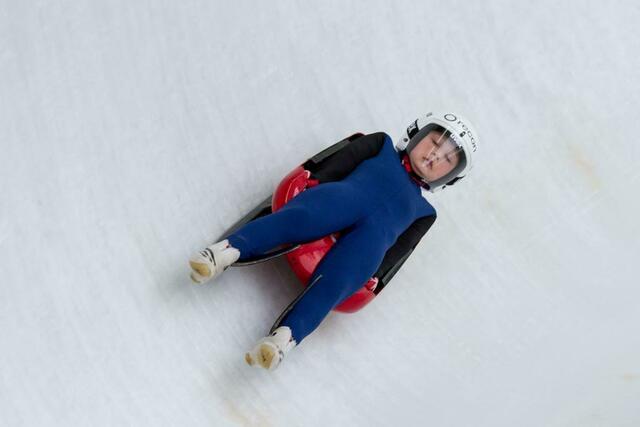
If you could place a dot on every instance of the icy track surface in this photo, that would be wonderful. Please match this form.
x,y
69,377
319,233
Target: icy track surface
x,y
132,133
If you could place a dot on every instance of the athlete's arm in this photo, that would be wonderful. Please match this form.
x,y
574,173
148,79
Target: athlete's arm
x,y
339,164
400,251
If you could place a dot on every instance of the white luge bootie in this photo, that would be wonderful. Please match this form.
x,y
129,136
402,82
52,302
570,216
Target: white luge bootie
x,y
212,261
269,351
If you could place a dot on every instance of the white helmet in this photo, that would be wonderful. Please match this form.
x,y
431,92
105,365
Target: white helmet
x,y
457,129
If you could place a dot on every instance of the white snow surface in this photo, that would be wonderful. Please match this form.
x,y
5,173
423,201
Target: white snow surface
x,y
133,133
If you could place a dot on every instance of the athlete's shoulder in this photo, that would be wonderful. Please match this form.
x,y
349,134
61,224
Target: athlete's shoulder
x,y
382,136
373,143
381,140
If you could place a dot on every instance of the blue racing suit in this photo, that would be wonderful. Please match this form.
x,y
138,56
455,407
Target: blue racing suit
x,y
372,205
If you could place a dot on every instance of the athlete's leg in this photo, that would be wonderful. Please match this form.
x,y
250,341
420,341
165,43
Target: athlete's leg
x,y
349,264
312,214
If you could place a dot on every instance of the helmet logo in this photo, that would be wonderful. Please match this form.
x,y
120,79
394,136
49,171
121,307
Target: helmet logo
x,y
452,118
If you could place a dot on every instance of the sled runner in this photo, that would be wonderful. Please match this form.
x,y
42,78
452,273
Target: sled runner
x,y
303,258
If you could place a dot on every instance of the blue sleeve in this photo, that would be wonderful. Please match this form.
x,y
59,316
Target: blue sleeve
x,y
402,249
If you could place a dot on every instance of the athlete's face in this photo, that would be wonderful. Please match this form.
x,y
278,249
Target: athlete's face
x,y
434,156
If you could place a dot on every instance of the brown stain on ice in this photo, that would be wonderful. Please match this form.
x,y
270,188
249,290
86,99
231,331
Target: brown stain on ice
x,y
629,377
243,420
585,166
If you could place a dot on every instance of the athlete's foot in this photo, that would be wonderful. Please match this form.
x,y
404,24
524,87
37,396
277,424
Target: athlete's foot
x,y
212,261
269,351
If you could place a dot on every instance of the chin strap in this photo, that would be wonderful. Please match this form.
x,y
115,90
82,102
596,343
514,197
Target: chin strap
x,y
406,163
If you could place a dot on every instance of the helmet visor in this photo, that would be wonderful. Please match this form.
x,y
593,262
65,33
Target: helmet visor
x,y
435,155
